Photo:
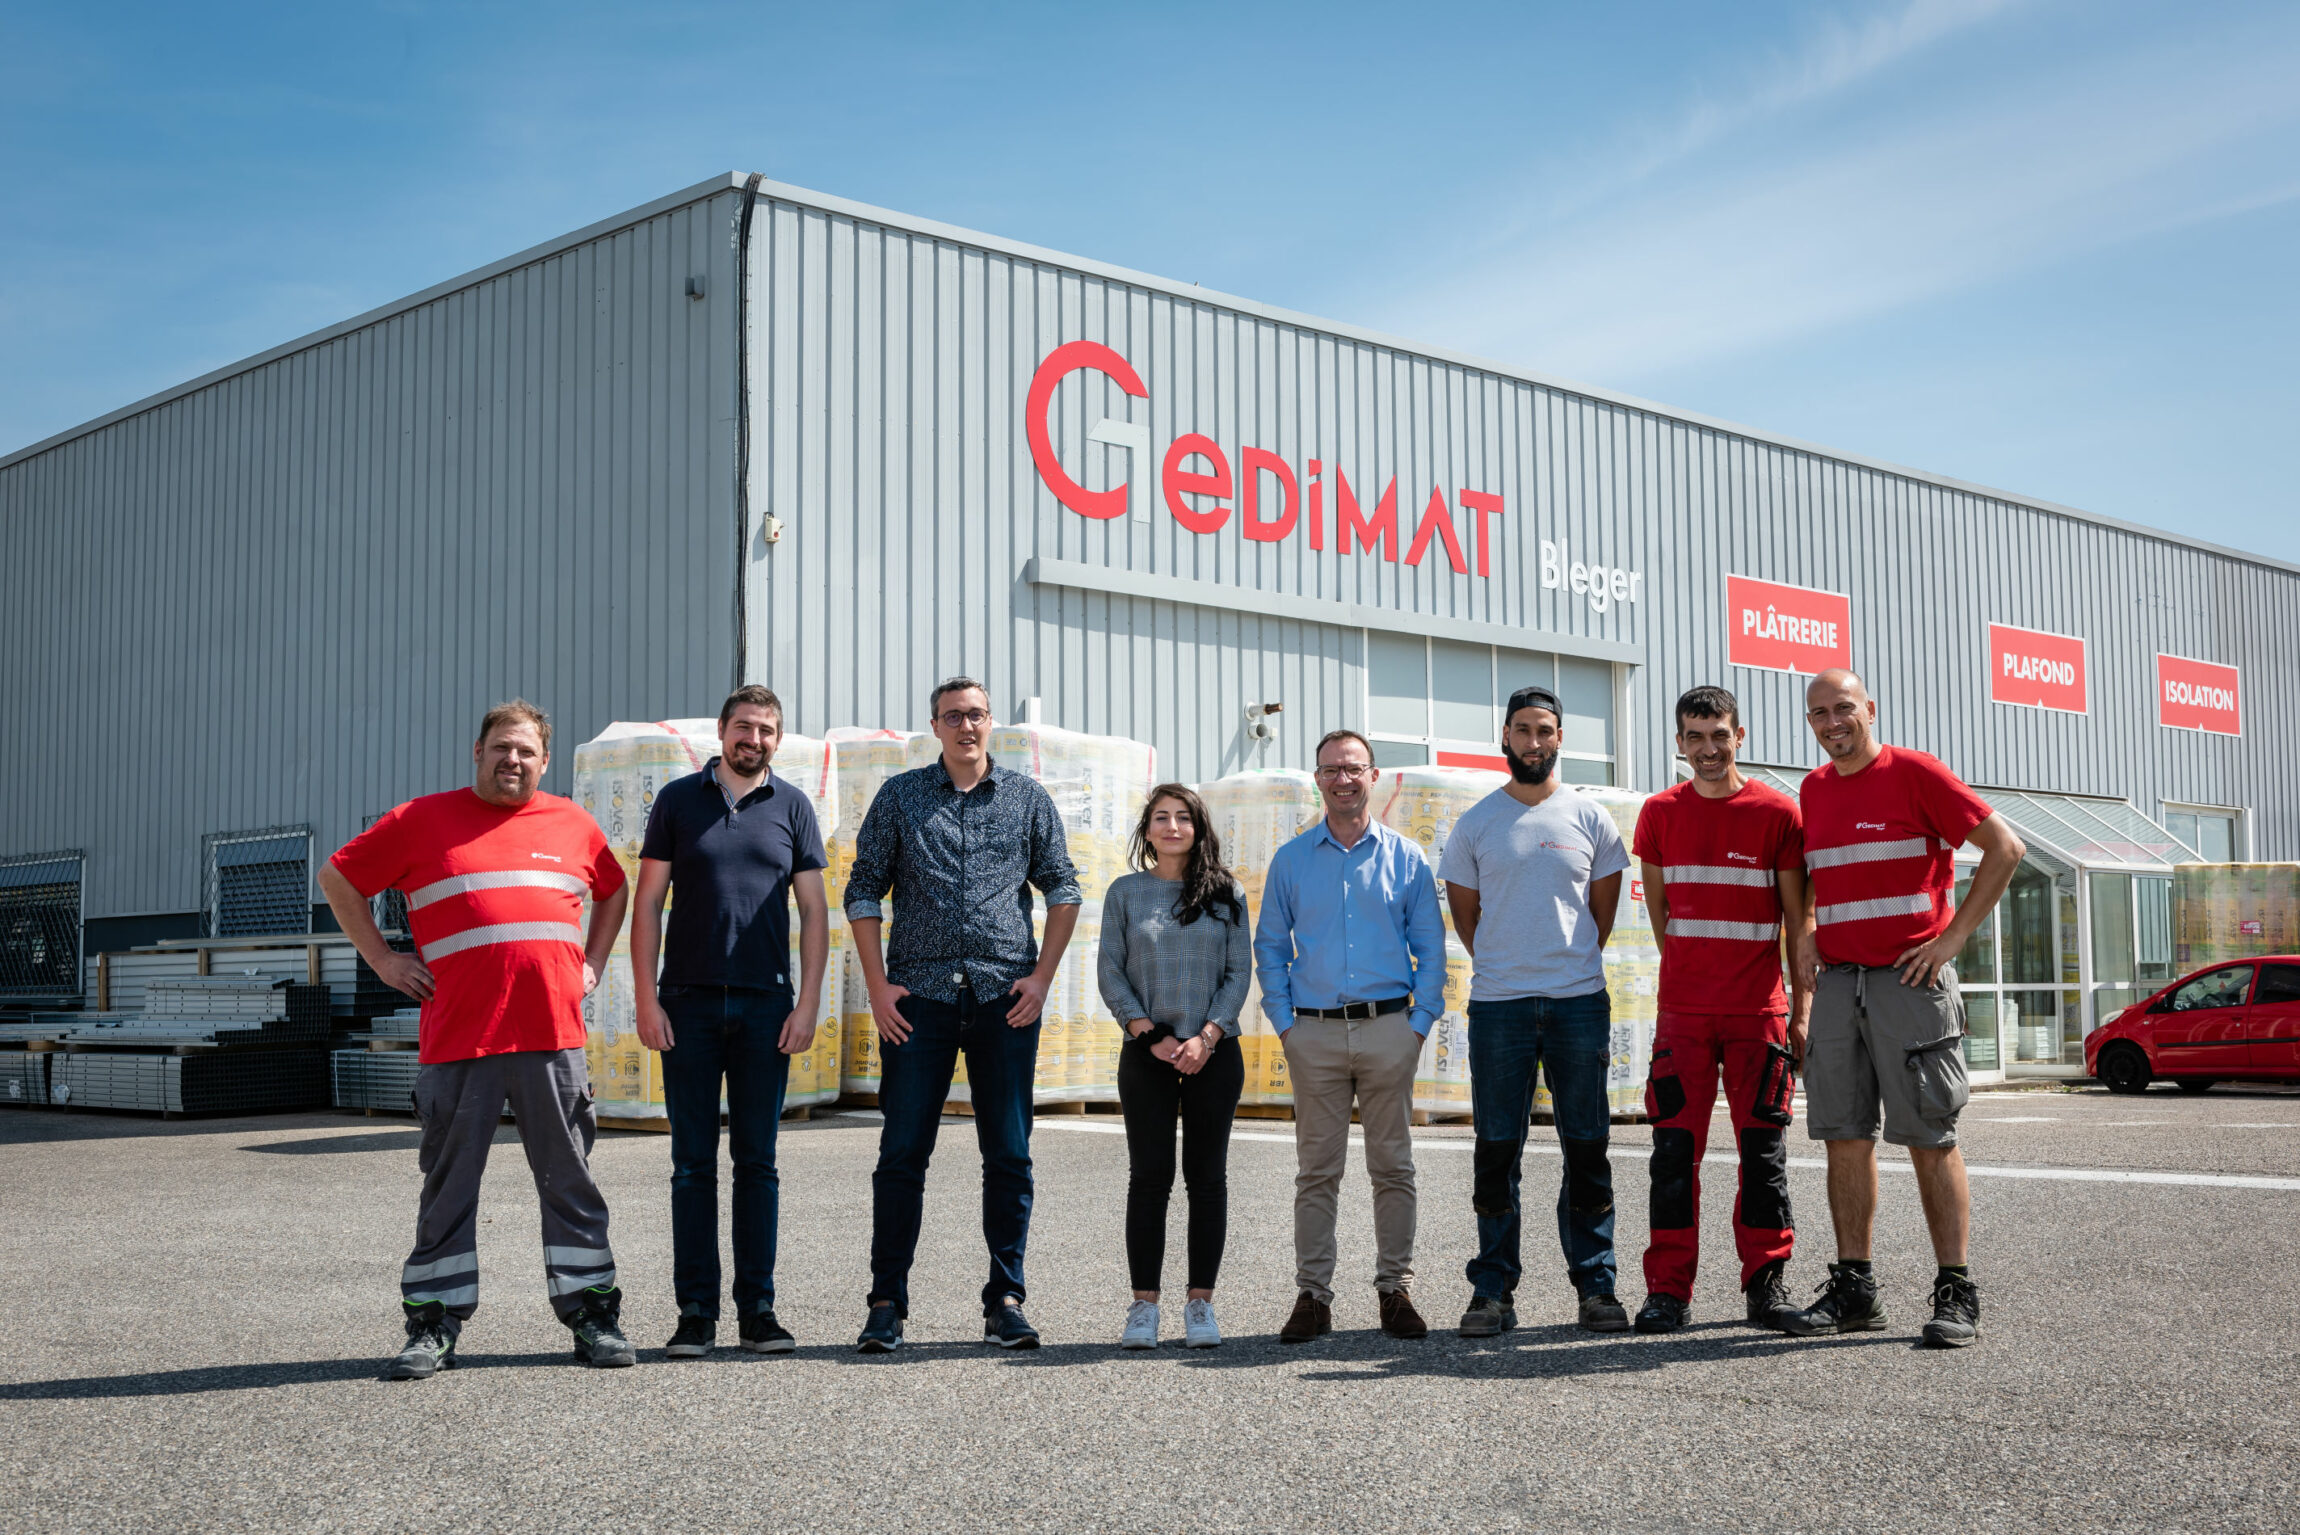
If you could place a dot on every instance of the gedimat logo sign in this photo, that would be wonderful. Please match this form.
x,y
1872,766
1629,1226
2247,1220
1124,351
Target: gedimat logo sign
x,y
2037,670
2198,695
1206,489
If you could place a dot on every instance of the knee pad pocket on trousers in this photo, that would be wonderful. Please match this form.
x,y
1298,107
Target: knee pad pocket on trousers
x,y
1764,1180
1588,1177
1489,1186
1672,1179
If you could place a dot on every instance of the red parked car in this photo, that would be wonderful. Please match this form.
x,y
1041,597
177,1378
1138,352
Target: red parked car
x,y
2234,1022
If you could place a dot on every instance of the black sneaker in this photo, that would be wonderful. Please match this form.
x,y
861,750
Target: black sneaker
x,y
1849,1303
1487,1317
1662,1313
430,1343
1600,1312
1956,1313
694,1338
1768,1296
762,1334
882,1330
1007,1327
598,1341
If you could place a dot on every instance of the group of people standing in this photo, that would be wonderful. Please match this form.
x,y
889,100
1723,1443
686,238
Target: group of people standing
x,y
1816,932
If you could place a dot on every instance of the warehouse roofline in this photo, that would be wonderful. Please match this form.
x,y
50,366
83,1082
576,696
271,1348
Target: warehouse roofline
x,y
734,181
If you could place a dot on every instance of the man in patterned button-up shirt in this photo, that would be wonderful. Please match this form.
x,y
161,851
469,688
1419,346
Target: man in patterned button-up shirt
x,y
959,843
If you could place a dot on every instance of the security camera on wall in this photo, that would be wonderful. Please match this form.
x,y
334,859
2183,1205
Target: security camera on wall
x,y
1260,726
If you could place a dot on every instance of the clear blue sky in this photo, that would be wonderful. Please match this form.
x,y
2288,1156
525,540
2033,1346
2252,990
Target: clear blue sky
x,y
2050,246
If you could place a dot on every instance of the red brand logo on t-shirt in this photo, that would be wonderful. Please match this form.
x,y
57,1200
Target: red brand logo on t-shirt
x,y
1780,628
2036,670
2198,695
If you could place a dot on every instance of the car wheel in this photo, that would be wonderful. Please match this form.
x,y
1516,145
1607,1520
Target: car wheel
x,y
2195,1084
2124,1069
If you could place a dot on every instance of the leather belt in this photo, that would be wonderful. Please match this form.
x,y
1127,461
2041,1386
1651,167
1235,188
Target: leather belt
x,y
1356,1009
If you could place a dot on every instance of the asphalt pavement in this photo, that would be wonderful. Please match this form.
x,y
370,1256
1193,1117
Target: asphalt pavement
x,y
200,1311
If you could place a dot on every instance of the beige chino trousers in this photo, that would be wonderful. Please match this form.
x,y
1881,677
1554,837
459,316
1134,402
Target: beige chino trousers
x,y
1334,1062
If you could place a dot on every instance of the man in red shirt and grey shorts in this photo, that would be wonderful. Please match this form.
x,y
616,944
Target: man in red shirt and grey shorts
x,y
1881,824
1724,873
495,877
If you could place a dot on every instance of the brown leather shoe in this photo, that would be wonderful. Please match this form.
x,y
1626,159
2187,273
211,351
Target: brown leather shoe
x,y
1399,1319
1312,1318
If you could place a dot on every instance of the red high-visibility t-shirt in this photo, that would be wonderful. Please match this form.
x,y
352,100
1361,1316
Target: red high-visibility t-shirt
x,y
495,899
1878,844
1720,861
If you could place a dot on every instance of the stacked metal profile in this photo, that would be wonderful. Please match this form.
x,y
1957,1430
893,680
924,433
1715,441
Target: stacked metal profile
x,y
378,1071
209,1045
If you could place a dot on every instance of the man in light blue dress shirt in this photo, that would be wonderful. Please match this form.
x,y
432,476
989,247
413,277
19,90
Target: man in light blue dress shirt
x,y
1350,949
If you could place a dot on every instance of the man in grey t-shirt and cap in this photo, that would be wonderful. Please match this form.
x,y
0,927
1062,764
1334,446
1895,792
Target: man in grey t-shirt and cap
x,y
1533,877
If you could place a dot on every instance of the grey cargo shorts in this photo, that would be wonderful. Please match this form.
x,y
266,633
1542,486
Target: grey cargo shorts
x,y
1876,1041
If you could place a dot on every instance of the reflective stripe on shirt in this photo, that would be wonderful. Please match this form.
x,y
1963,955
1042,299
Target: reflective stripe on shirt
x,y
496,879
1883,906
1866,852
1718,874
1700,927
504,932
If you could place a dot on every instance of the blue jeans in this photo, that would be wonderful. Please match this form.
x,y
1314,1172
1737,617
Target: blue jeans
x,y
729,1032
1571,1038
914,1081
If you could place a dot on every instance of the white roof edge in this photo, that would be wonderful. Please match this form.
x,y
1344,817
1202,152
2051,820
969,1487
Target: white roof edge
x,y
958,235
493,269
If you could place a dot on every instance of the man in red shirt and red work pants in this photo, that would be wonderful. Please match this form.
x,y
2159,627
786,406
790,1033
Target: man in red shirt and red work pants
x,y
1724,869
495,877
1881,824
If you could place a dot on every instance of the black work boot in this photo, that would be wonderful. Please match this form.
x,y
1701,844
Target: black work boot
x,y
430,1343
599,1341
1956,1312
1849,1303
1768,1296
1662,1313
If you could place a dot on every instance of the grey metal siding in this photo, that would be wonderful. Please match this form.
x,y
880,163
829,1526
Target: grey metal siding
x,y
287,595
892,359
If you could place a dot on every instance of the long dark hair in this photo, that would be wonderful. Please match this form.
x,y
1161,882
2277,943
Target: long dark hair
x,y
1207,886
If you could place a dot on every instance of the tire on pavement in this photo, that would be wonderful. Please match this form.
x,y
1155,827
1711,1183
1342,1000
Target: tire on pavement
x,y
2124,1069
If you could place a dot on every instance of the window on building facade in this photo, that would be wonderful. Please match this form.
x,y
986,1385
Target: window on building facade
x,y
2217,834
258,882
40,925
1432,701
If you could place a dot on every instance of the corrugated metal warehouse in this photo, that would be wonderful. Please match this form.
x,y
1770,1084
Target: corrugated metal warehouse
x,y
751,432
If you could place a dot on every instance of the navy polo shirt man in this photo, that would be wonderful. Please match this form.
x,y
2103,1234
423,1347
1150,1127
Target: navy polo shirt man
x,y
733,844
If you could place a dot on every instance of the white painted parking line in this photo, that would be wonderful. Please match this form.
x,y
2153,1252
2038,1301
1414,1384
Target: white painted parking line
x,y
2019,1119
1727,1159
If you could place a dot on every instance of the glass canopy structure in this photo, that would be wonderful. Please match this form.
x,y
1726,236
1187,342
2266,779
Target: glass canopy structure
x,y
2084,931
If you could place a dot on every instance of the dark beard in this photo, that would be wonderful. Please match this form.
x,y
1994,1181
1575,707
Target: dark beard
x,y
758,760
1533,769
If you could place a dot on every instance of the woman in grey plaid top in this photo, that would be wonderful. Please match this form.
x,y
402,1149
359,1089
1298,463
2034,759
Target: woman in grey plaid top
x,y
1176,960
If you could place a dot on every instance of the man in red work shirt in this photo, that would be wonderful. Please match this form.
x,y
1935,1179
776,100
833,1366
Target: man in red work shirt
x,y
495,877
1724,874
1881,824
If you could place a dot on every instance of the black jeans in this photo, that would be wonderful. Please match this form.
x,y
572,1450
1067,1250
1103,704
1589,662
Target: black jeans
x,y
1152,1096
914,1080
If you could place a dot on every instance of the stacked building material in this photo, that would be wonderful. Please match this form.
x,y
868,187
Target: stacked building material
x,y
217,1081
2224,911
202,1045
373,1079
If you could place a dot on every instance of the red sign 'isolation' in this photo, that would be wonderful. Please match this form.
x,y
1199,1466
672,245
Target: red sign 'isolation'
x,y
2036,670
2198,695
1779,628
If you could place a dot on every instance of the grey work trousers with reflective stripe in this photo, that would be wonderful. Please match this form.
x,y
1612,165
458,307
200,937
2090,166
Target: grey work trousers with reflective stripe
x,y
461,1104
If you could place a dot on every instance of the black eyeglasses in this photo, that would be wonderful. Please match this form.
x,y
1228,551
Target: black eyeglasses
x,y
960,719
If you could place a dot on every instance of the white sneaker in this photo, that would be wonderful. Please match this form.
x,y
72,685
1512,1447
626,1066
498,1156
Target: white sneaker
x,y
1198,1329
1141,1325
